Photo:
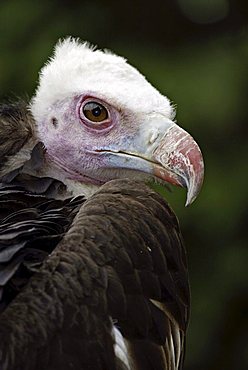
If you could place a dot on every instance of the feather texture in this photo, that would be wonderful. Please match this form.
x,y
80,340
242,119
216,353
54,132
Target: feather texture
x,y
110,266
96,284
17,137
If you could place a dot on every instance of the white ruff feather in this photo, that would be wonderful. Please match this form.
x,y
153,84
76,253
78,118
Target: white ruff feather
x,y
76,68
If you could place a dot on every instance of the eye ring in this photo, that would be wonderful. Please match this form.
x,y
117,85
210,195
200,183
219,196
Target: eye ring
x,y
94,112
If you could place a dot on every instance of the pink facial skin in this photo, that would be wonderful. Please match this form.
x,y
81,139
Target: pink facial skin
x,y
74,143
95,152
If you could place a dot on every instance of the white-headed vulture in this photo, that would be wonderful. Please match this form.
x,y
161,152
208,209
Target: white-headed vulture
x,y
93,272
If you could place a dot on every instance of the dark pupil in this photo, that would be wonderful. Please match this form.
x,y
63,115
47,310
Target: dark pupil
x,y
96,111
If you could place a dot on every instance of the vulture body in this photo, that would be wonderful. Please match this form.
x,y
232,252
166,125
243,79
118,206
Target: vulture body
x,y
93,272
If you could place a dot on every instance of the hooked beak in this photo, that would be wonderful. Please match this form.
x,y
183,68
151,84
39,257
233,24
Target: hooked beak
x,y
166,151
181,161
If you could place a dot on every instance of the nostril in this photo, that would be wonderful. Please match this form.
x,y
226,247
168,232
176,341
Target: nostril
x,y
54,121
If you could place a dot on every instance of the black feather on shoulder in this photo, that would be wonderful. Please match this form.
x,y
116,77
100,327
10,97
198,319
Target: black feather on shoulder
x,y
16,128
117,258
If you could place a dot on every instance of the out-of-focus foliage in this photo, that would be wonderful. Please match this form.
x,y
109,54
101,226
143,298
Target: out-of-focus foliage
x,y
195,52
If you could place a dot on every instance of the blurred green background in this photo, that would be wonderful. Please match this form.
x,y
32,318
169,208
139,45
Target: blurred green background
x,y
195,52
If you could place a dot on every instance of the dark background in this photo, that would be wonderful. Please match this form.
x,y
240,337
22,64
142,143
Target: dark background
x,y
195,52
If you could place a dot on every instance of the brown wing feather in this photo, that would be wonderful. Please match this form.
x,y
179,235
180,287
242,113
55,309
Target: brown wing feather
x,y
17,132
116,264
155,281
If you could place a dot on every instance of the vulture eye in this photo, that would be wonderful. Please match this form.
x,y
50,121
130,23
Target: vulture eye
x,y
95,112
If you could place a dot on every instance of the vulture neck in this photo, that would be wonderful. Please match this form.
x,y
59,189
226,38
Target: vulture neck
x,y
36,164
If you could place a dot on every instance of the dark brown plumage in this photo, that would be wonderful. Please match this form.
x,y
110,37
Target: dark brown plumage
x,y
121,257
17,129
98,283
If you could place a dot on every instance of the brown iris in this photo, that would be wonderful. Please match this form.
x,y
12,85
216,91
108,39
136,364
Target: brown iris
x,y
95,112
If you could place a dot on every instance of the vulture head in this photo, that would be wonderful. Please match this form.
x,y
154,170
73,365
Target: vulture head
x,y
100,119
